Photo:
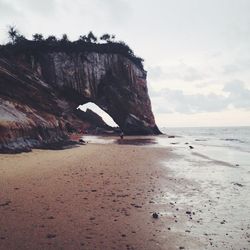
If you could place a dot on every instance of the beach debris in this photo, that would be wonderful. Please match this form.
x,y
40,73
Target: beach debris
x,y
191,147
5,204
155,215
238,184
50,236
171,136
136,206
82,142
223,222
181,247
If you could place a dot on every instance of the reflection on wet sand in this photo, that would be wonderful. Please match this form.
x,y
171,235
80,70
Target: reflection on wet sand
x,y
137,141
128,140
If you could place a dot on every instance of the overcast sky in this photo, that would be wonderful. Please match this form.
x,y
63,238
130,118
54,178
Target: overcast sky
x,y
197,52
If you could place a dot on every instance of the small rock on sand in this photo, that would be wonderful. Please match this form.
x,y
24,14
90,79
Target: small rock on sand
x,y
171,136
238,184
5,203
50,236
155,215
81,141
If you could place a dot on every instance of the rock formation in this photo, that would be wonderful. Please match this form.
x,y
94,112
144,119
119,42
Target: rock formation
x,y
40,91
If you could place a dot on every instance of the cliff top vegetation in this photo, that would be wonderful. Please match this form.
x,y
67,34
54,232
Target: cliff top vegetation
x,y
86,43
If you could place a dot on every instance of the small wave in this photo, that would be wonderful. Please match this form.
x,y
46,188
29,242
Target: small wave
x,y
224,163
232,139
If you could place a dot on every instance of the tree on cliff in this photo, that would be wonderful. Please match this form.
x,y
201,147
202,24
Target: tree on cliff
x,y
89,42
83,38
21,39
64,38
91,37
107,37
37,37
113,38
51,39
13,34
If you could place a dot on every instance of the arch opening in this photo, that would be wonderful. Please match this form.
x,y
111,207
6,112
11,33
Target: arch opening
x,y
100,112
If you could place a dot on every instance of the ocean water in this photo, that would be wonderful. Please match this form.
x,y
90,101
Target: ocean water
x,y
227,144
218,167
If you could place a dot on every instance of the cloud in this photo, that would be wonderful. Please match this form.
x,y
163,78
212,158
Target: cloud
x,y
180,71
6,10
239,95
170,101
116,11
178,101
238,66
93,14
9,15
231,68
29,7
156,73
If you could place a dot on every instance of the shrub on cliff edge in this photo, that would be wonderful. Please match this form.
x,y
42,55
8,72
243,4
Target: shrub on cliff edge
x,y
19,44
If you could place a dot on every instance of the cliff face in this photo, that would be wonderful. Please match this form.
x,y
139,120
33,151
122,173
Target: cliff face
x,y
111,81
40,93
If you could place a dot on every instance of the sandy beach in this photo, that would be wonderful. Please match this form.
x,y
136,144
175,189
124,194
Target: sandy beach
x,y
102,196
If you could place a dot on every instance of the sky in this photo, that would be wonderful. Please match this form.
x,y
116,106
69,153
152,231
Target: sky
x,y
196,51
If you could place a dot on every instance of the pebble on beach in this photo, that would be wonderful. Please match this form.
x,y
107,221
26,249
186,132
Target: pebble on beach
x,y
155,215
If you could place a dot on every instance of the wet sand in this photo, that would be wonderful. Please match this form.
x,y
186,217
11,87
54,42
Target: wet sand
x,y
102,196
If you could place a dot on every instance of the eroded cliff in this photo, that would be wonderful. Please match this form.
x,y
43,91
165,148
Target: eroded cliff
x,y
39,93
